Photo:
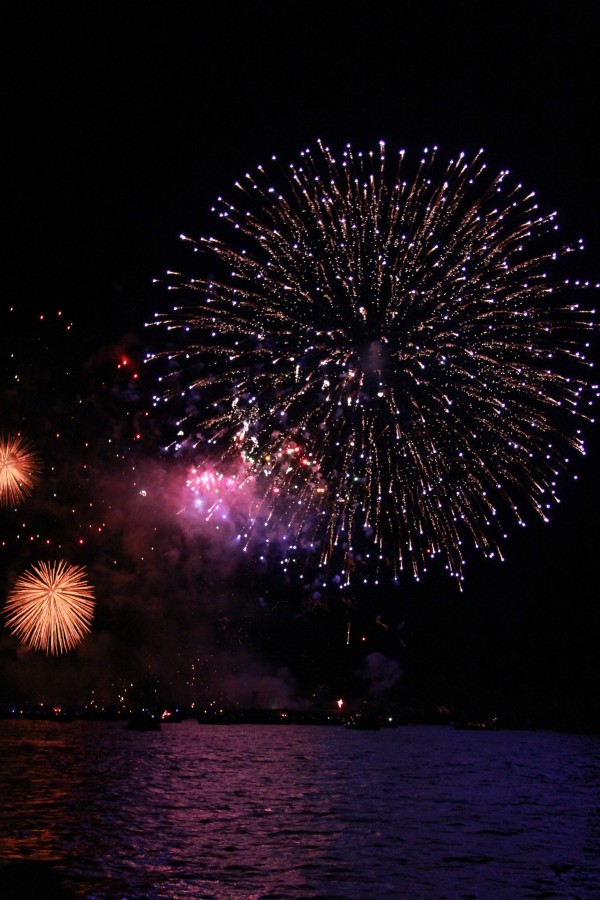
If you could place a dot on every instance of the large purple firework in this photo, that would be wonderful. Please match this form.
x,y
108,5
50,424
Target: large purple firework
x,y
386,353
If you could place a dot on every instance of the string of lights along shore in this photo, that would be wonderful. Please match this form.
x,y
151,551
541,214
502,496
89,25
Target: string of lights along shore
x,y
388,352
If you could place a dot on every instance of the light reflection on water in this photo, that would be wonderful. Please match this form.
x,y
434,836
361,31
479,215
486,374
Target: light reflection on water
x,y
298,811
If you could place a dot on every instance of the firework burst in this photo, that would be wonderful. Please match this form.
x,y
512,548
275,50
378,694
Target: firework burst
x,y
387,352
51,607
19,469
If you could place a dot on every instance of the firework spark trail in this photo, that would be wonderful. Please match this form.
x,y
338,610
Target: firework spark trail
x,y
404,334
51,607
19,469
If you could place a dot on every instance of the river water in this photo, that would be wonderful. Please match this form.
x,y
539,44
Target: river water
x,y
196,811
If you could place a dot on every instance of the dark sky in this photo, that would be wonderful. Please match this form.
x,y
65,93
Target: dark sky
x,y
121,123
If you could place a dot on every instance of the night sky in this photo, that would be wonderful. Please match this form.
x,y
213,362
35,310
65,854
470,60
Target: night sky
x,y
123,122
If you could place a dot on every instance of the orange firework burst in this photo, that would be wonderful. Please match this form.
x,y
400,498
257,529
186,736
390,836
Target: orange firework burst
x,y
19,469
51,607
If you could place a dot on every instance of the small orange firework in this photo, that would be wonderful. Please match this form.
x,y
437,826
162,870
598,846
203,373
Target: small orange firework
x,y
19,469
51,607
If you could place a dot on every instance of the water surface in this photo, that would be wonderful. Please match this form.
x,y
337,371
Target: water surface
x,y
96,811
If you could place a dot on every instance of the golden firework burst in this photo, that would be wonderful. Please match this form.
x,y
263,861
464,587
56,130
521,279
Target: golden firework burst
x,y
19,469
51,607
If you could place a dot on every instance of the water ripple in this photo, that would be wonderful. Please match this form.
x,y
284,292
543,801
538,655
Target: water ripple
x,y
296,811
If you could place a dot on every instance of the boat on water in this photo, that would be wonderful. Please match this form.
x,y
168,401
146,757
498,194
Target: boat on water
x,y
363,722
144,721
477,725
171,716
